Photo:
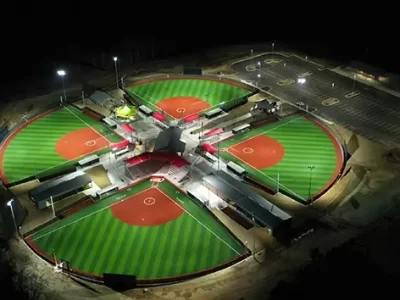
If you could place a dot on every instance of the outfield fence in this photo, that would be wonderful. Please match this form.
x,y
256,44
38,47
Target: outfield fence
x,y
226,106
52,172
140,282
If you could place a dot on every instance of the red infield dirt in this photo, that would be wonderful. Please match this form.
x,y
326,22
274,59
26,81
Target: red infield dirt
x,y
260,152
181,107
80,142
148,208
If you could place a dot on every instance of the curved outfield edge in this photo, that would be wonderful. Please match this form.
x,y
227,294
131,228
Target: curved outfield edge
x,y
9,138
340,163
146,282
191,77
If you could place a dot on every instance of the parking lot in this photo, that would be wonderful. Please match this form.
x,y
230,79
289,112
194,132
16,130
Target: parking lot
x,y
360,108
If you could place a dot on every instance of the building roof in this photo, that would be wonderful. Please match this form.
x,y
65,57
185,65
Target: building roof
x,y
60,186
170,140
100,97
247,200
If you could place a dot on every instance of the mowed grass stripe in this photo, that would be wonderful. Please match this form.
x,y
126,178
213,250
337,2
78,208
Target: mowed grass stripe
x,y
148,255
305,144
33,149
86,246
110,249
201,214
98,243
165,242
173,254
122,242
134,260
203,262
135,234
186,232
189,267
213,92
75,246
108,246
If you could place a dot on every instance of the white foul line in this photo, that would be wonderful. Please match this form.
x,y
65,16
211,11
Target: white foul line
x,y
212,232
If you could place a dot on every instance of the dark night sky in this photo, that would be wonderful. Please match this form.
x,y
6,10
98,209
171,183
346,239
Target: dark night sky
x,y
43,34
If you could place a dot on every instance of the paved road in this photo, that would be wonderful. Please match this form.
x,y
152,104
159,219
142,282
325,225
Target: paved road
x,y
372,113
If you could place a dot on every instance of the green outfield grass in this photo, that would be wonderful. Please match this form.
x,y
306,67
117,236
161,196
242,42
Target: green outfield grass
x,y
213,91
32,150
306,144
94,241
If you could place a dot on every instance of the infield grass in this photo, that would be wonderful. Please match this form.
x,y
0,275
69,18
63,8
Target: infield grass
x,y
212,91
94,241
306,144
32,150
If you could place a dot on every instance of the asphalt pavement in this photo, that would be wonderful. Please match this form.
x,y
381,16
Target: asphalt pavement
x,y
371,113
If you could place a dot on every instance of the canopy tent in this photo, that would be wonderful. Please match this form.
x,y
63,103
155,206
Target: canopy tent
x,y
125,112
127,128
209,148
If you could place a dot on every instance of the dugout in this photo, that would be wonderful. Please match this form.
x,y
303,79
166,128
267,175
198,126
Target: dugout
x,y
249,203
59,188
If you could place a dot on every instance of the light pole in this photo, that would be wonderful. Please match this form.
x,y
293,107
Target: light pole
x,y
301,81
219,158
354,82
52,206
62,73
116,70
10,204
258,79
273,48
254,235
311,168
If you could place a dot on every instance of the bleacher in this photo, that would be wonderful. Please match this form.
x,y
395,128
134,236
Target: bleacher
x,y
173,173
145,165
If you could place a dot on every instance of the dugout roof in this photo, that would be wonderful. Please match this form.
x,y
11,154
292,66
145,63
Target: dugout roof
x,y
251,203
60,186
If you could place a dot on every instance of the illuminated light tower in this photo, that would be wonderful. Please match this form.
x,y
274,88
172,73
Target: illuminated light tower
x,y
62,73
10,204
115,59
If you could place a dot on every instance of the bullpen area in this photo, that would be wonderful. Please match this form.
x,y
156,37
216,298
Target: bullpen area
x,y
151,230
52,142
295,155
182,97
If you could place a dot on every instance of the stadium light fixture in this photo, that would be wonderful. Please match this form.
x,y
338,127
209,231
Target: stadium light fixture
x,y
301,80
9,204
116,71
62,73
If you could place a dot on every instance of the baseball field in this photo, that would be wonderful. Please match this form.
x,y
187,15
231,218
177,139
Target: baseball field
x,y
183,97
297,154
151,230
51,142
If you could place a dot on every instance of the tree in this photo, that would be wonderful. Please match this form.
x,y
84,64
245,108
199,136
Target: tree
x,y
21,280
